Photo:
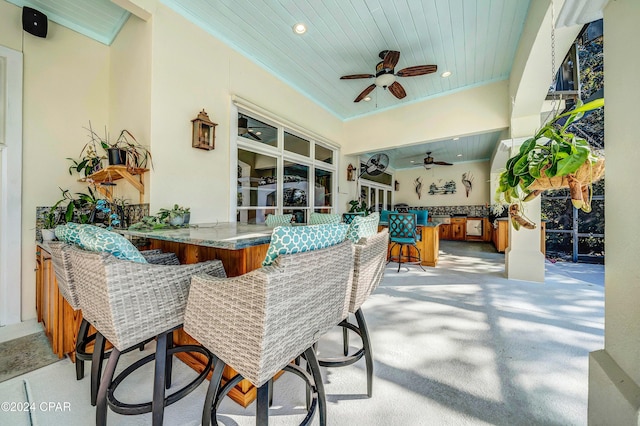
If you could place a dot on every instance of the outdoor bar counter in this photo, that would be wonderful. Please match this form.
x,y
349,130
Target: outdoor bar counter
x,y
240,247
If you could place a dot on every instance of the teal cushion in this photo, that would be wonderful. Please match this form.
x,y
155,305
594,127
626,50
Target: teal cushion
x,y
363,226
320,218
421,216
69,233
384,216
278,219
94,238
297,239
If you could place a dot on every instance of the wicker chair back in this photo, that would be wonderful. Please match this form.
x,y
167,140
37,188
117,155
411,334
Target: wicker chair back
x,y
370,259
64,276
258,322
130,302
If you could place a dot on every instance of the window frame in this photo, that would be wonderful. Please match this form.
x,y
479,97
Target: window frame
x,y
239,142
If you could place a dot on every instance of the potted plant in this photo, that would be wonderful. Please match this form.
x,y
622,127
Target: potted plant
x,y
126,150
357,206
174,216
553,158
90,158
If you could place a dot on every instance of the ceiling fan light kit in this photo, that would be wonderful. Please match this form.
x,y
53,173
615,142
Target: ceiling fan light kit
x,y
428,162
385,76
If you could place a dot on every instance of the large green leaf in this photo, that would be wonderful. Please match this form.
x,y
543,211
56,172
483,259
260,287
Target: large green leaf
x,y
527,146
522,166
512,179
573,162
595,104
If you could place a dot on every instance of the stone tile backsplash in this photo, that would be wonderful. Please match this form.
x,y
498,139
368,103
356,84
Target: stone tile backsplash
x,y
473,211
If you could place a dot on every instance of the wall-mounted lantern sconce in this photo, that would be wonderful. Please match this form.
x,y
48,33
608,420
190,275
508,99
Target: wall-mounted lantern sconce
x,y
204,132
396,185
351,172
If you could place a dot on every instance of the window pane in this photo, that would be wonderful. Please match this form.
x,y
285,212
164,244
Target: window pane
x,y
380,200
257,131
293,143
253,215
388,205
256,179
295,191
324,183
324,154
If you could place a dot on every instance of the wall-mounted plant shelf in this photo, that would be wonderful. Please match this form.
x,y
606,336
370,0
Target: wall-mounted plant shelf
x,y
112,173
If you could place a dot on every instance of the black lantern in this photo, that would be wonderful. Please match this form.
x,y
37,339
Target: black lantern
x,y
204,132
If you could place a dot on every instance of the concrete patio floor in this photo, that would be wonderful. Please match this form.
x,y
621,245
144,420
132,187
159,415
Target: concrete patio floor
x,y
458,344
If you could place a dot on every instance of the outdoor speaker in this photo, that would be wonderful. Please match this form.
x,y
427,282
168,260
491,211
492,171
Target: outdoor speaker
x,y
34,22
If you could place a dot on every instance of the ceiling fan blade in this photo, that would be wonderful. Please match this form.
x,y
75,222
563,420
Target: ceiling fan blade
x,y
391,59
253,135
442,163
364,93
354,76
417,70
397,90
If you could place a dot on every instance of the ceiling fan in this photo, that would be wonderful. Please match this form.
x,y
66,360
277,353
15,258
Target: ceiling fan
x,y
429,161
376,164
385,76
244,130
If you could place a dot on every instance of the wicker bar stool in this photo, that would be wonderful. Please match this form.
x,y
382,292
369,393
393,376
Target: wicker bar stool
x,y
67,286
259,322
368,270
129,303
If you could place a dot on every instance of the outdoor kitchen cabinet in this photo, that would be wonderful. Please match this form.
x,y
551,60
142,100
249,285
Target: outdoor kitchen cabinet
x,y
445,231
459,228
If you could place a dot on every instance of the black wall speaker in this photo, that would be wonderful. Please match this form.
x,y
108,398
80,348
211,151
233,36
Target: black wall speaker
x,y
34,22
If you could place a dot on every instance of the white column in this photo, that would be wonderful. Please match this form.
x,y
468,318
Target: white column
x,y
523,258
614,372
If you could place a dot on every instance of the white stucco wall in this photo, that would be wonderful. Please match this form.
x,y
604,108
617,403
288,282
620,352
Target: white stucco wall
x,y
478,110
192,70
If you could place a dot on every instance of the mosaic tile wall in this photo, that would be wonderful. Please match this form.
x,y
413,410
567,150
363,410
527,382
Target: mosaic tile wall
x,y
473,211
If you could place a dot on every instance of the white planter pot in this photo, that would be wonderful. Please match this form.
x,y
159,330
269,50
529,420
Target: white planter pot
x,y
48,234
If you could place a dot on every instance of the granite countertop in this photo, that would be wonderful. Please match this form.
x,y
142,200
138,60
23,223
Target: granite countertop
x,y
228,235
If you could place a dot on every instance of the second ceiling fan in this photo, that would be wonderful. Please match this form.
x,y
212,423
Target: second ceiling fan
x,y
429,161
385,76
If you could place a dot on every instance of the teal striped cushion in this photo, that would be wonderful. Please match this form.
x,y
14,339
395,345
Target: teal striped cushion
x,y
94,238
320,218
297,239
363,226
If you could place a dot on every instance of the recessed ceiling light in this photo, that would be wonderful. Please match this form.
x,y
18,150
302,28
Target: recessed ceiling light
x,y
455,139
258,133
459,155
446,74
413,161
367,98
300,28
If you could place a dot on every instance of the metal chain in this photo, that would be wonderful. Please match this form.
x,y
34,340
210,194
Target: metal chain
x,y
553,111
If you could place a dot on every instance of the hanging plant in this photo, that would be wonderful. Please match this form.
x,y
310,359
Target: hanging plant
x,y
553,158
